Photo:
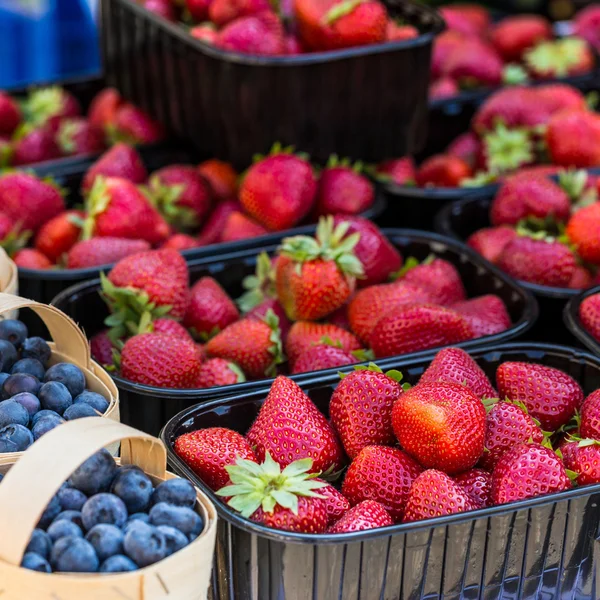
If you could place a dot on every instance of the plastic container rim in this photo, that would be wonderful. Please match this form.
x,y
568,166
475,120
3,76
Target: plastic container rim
x,y
573,322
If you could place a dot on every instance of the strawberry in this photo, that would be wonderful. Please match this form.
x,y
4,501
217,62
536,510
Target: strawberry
x,y
443,170
589,315
103,108
311,517
10,114
78,136
208,451
162,8
573,138
470,19
206,32
396,32
133,126
551,396
198,9
382,474
477,483
222,12
58,235
378,256
339,318
467,147
582,458
279,191
290,427
556,97
442,425
322,356
331,24
222,178
581,279
48,106
365,515
474,63
33,145
260,312
211,232
7,226
443,47
343,189
590,417
528,471
401,171
117,208
487,315
541,261
315,276
261,34
28,258
217,372
586,25
120,161
453,365
505,150
210,309
181,241
101,348
293,45
514,35
170,327
29,201
491,241
449,498
260,286
161,360
361,408
583,230
182,195
560,58
336,503
304,335
103,251
254,345
442,88
240,227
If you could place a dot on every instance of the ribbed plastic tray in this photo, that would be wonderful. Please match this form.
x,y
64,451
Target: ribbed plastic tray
x,y
573,322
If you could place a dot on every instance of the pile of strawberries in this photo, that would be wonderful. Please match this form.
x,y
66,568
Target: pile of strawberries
x,y
589,315
549,126
254,27
322,301
543,231
179,206
49,124
450,444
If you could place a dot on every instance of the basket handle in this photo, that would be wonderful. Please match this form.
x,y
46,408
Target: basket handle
x,y
67,336
34,479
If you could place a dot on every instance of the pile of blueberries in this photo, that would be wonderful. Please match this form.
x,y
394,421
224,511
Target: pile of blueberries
x,y
111,519
35,398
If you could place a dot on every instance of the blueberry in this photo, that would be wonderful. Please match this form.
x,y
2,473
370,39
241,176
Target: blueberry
x,y
11,412
13,331
46,424
55,396
63,528
145,545
104,508
144,517
175,539
1,476
69,375
35,562
32,366
133,524
40,543
29,402
18,435
36,347
43,413
96,401
79,411
95,474
8,355
74,555
106,539
74,516
175,491
71,499
134,488
3,378
180,517
118,564
20,382
50,513
7,446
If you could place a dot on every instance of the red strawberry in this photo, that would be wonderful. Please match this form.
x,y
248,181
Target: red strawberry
x,y
343,189
222,178
34,144
442,425
29,201
101,348
120,161
361,408
382,474
217,372
470,19
103,251
474,62
7,226
311,517
543,262
365,515
49,106
254,345
444,87
573,138
261,34
211,232
293,45
396,32
582,457
590,417
491,241
222,12
551,396
133,126
182,195
443,170
198,9
279,191
27,258
339,318
583,232
103,108
170,327
58,235
477,483
208,451
581,279
378,256
210,309
453,365
117,208
260,312
487,315
78,136
240,227
589,315
514,35
443,47
162,8
467,147
315,276
206,32
290,427
586,25
401,171
528,471
161,360
322,356
556,97
181,241
336,503
560,58
10,114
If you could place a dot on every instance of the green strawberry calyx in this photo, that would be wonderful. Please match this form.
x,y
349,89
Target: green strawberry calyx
x,y
66,136
277,149
43,104
363,354
410,263
334,161
166,199
339,10
260,286
574,182
393,374
241,378
276,349
97,201
514,74
480,179
15,240
265,485
556,57
507,149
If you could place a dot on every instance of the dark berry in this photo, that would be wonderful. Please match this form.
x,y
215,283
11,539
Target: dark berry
x,y
74,516
143,517
29,402
118,564
175,491
18,435
69,375
74,555
145,544
107,540
71,499
32,366
20,382
8,355
96,401
35,562
43,413
50,513
104,508
36,347
175,539
95,474
3,378
6,446
79,411
180,517
63,528
134,488
46,424
13,413
13,331
55,396
40,543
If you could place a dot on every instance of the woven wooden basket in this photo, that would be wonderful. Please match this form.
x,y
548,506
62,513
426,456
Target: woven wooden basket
x,y
69,345
31,482
9,281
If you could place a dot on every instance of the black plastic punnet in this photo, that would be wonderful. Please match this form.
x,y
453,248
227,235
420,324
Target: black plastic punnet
x,y
574,324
